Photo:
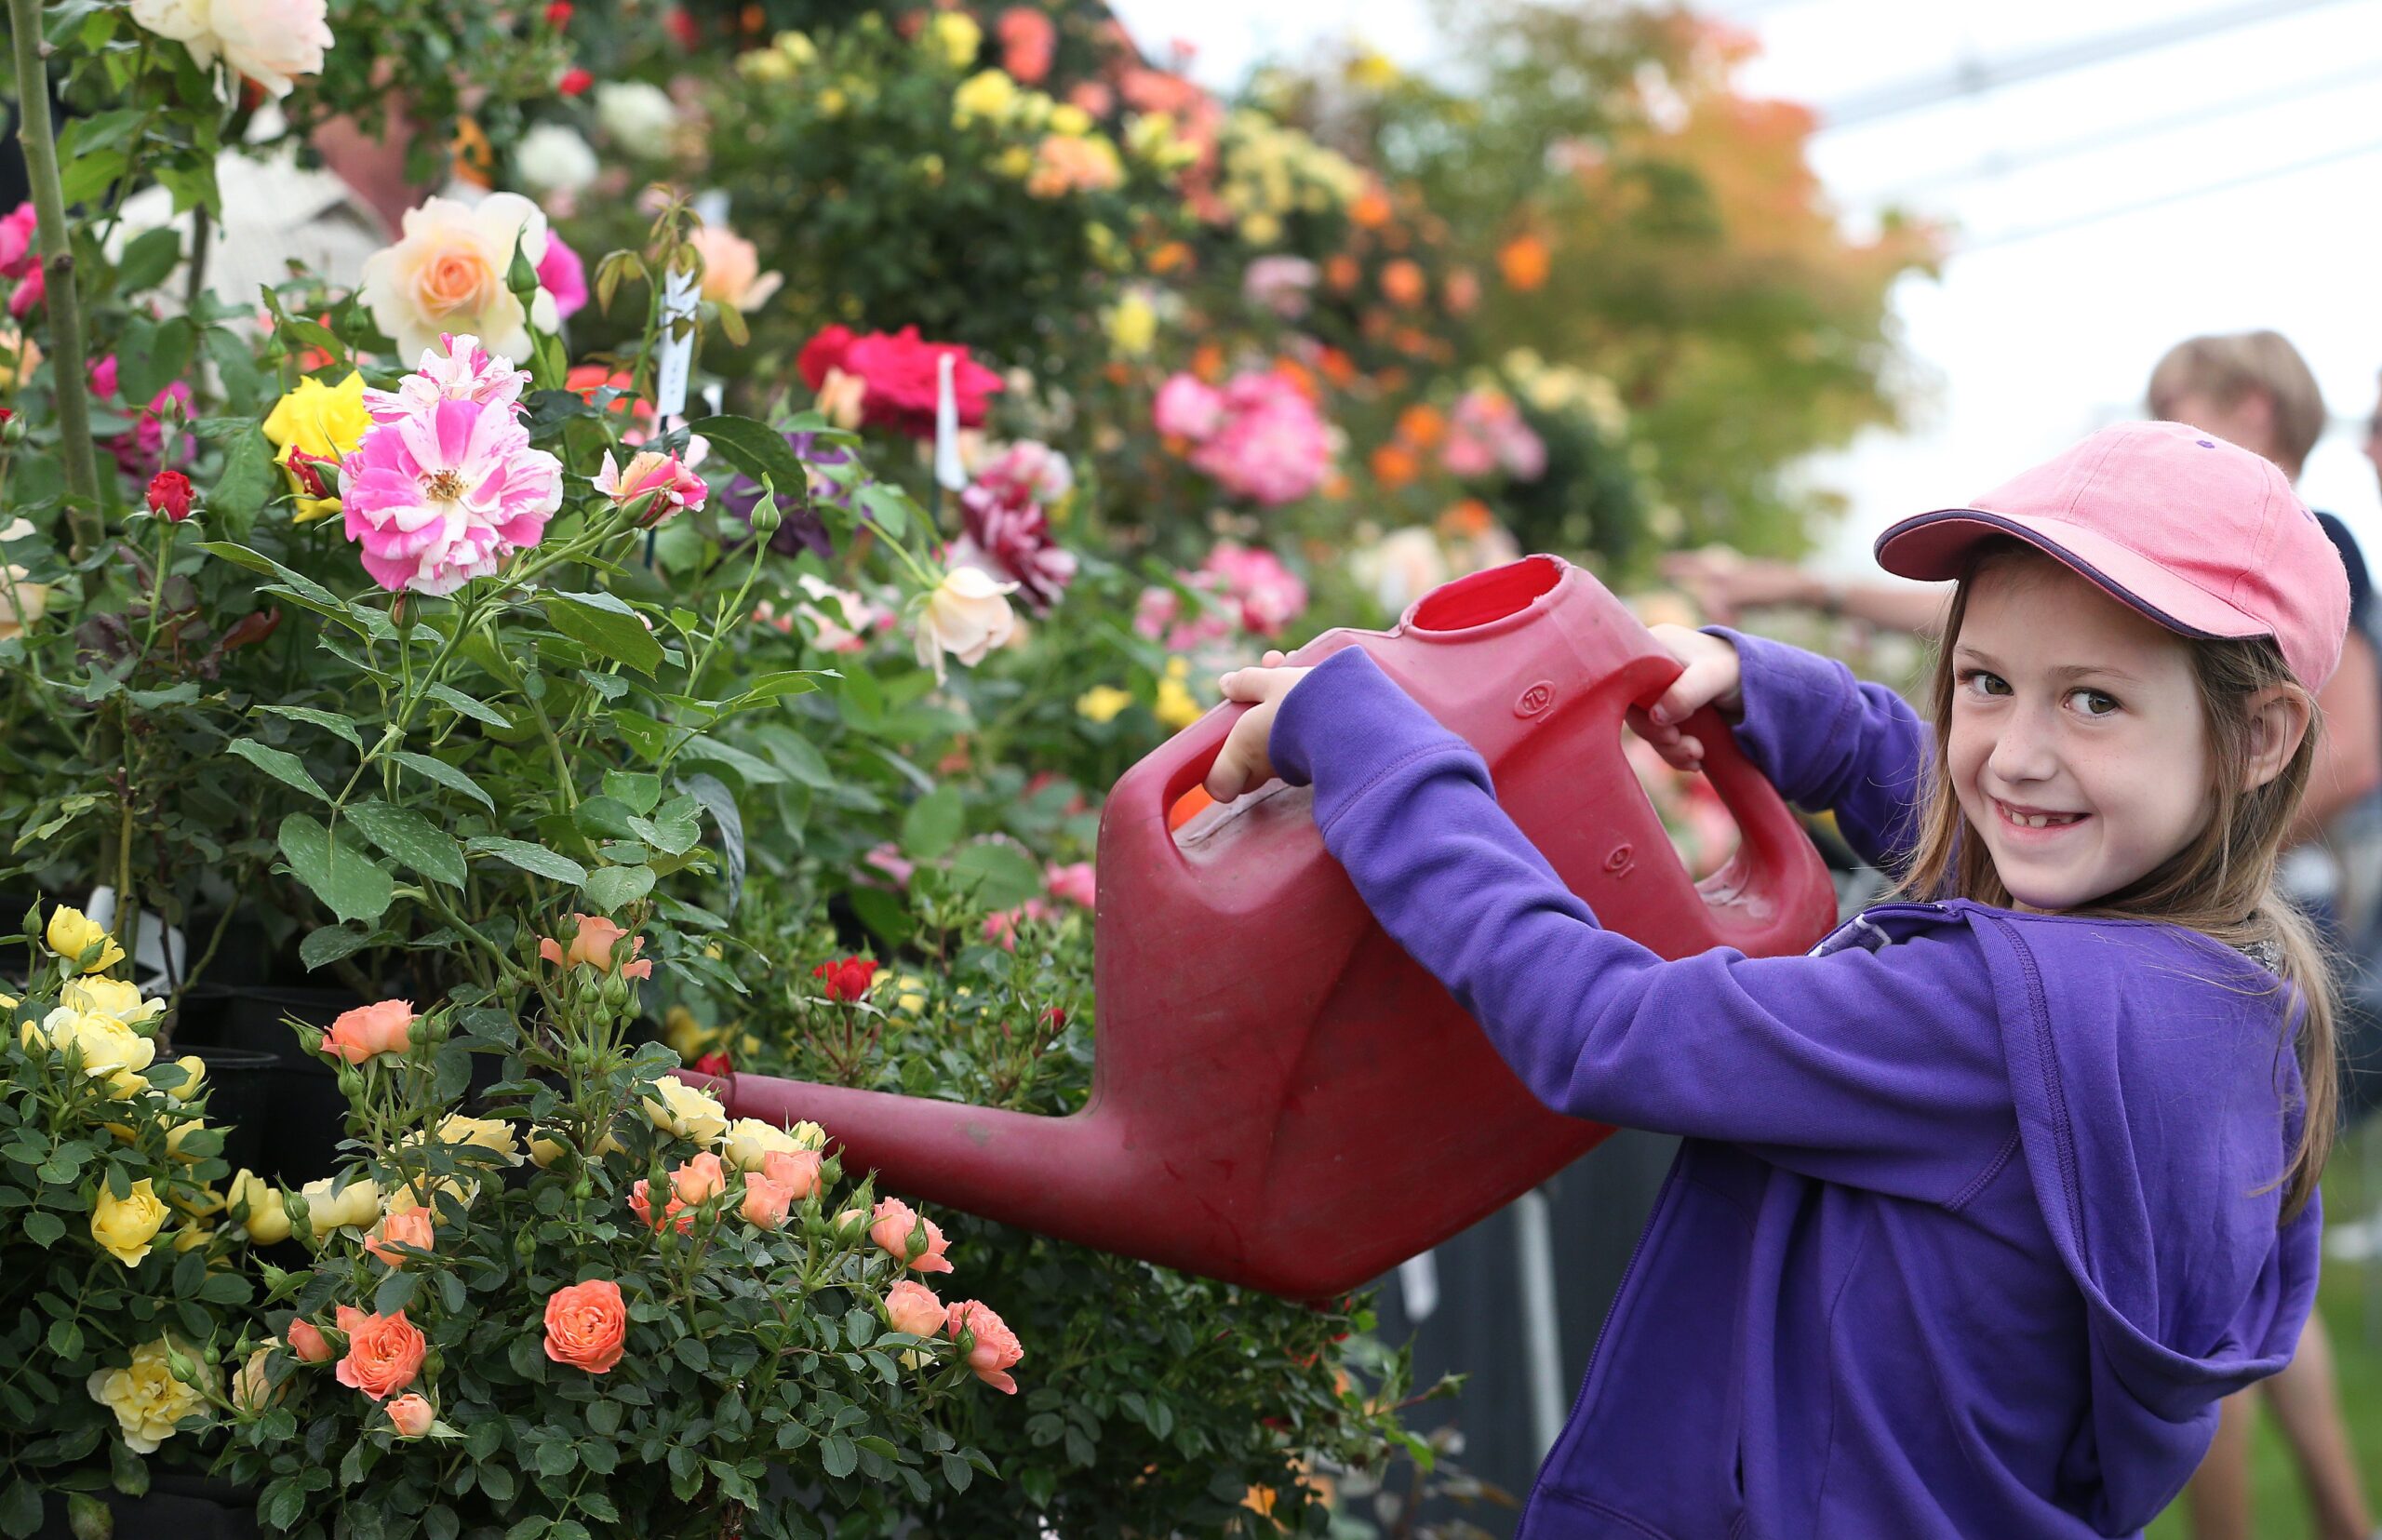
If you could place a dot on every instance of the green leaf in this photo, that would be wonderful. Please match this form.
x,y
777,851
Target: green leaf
x,y
281,766
693,1352
21,1507
534,859
640,791
932,825
496,1479
607,624
616,886
750,768
757,449
331,721
1000,876
836,1453
152,356
446,775
672,835
329,943
44,1230
247,481
340,873
87,177
888,506
148,257
479,711
412,840
957,1472
320,598
283,1501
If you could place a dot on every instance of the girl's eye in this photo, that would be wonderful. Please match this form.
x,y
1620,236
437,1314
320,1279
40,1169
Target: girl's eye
x,y
2093,702
1978,682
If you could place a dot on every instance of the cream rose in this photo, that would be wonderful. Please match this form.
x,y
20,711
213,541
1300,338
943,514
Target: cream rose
x,y
328,1205
22,602
553,158
967,615
447,275
271,42
145,1397
678,1109
638,116
750,1141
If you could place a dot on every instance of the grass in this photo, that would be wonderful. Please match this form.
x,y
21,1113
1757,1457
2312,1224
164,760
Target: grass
x,y
2351,1301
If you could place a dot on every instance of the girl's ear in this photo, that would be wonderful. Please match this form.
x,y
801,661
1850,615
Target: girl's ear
x,y
2278,719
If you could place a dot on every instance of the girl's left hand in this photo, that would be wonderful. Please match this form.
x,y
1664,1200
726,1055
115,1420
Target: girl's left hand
x,y
1245,762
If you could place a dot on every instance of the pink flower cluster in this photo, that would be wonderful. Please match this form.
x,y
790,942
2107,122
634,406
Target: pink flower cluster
x,y
141,451
20,259
445,486
1486,433
1259,437
1251,581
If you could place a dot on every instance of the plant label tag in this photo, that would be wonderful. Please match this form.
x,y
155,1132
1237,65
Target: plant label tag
x,y
677,351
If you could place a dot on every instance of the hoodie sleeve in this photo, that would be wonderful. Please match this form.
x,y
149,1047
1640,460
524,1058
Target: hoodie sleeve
x,y
1877,1069
1831,743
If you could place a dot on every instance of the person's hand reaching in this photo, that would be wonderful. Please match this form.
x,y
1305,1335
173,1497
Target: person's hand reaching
x,y
1244,763
1710,679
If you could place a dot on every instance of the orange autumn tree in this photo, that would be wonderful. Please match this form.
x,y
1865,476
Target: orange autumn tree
x,y
1635,215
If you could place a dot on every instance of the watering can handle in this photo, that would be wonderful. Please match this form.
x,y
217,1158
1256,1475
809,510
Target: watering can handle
x,y
1750,897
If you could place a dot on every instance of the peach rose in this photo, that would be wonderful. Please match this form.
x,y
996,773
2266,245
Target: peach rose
x,y
797,1171
408,1227
359,1034
676,1213
447,275
996,1346
591,943
892,1223
586,1325
910,1306
732,273
384,1352
766,1202
699,1180
411,1415
307,1341
252,1388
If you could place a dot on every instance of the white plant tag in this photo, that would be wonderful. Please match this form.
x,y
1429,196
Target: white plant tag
x,y
678,299
948,472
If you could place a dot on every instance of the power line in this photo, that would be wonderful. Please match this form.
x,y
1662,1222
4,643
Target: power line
x,y
1991,167
1977,76
2181,195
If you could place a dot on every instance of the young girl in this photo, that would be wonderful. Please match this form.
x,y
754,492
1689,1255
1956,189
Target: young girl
x,y
1986,1203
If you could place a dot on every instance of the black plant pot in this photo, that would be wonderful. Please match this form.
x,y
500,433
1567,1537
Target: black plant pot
x,y
178,1507
291,1117
241,1098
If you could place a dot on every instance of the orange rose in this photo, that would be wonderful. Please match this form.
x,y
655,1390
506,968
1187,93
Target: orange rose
x,y
1394,466
699,1180
1422,426
675,1212
797,1171
384,1352
910,1306
891,1226
411,1415
591,943
411,1227
766,1202
1402,283
307,1341
1370,211
994,1347
586,1325
1523,261
369,1029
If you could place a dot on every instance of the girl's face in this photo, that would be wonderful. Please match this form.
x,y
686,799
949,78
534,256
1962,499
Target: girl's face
x,y
2077,747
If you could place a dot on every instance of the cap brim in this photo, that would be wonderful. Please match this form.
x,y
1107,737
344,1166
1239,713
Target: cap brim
x,y
1935,547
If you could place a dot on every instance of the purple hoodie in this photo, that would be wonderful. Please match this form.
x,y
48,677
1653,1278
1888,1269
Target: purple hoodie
x,y
1975,1218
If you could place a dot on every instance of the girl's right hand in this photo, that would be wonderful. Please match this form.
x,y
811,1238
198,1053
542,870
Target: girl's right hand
x,y
1710,677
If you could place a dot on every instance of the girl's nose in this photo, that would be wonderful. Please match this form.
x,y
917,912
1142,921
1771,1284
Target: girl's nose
x,y
2024,750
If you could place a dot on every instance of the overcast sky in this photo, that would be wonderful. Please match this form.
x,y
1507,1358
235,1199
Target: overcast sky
x,y
2168,204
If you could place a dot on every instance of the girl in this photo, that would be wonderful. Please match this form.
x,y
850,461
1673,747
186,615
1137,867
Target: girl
x,y
1986,1203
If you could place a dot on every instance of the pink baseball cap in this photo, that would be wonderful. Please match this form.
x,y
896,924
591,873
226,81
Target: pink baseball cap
x,y
2200,535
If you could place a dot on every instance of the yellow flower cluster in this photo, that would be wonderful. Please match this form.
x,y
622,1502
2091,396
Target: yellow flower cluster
x,y
1270,170
787,56
312,429
1102,703
1152,139
956,35
1565,388
1175,708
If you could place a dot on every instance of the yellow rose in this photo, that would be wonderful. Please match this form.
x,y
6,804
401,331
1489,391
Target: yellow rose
x,y
489,1133
192,1236
678,1109
798,47
1102,703
1068,118
193,1084
448,274
1016,163
265,1220
750,1140
808,1136
73,932
687,1035
126,1226
987,95
329,1206
765,65
97,997
200,1202
145,1397
909,989
110,1050
21,603
324,424
1174,708
545,1151
176,1134
956,33
831,103
1132,324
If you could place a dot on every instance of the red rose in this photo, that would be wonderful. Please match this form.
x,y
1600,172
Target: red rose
x,y
170,495
848,979
574,82
682,27
823,353
714,1063
901,373
559,13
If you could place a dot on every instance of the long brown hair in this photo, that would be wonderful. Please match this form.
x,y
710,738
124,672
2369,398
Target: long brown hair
x,y
2221,884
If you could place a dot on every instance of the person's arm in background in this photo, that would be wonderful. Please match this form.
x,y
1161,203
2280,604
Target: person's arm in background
x,y
2349,755
1724,584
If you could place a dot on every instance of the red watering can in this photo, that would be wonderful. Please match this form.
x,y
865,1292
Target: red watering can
x,y
1282,1098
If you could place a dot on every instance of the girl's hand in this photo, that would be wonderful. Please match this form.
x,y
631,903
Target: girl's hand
x,y
1244,764
1710,679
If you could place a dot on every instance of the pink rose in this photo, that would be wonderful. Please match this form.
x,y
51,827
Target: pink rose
x,y
795,1170
591,943
992,1347
887,858
892,1223
1073,883
1187,407
1000,928
665,485
1273,446
307,1341
446,494
699,1180
1028,40
766,1202
563,275
732,274
1271,596
910,1306
383,1027
411,1415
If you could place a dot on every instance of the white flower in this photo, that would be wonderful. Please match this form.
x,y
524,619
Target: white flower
x,y
638,116
448,272
967,615
553,158
271,42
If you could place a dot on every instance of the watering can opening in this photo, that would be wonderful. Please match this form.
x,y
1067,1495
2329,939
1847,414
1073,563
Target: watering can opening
x,y
1483,598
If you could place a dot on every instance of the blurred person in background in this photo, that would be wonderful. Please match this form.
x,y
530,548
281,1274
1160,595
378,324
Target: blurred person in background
x,y
2255,390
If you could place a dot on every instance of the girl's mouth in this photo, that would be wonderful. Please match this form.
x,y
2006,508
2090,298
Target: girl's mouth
x,y
2036,820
